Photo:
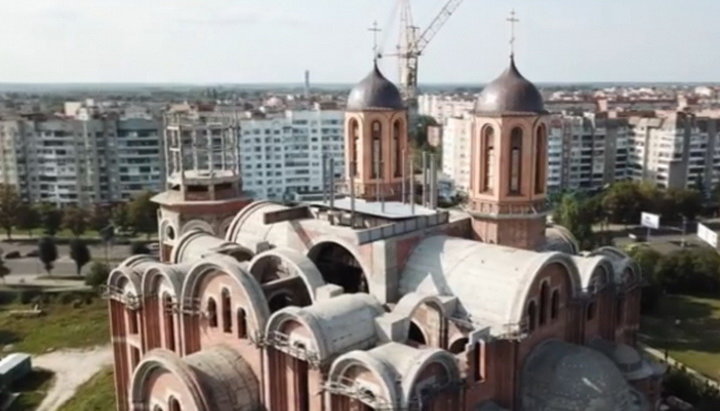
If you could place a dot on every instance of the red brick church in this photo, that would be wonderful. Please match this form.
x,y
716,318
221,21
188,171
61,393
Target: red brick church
x,y
365,300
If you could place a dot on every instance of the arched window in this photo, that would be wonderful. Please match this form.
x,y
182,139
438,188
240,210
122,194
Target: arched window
x,y
355,141
488,168
591,311
458,345
241,324
226,311
415,334
540,156
376,130
169,322
397,148
515,175
479,361
531,315
555,304
544,291
174,404
212,312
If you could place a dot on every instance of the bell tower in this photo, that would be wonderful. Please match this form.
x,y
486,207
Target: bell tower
x,y
508,167
375,138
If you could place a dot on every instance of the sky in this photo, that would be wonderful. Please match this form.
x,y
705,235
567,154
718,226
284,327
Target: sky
x,y
268,41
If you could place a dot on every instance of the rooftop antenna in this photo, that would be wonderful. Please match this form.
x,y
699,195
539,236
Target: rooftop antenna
x,y
512,19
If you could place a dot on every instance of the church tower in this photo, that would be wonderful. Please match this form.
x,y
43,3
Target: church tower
x,y
204,186
508,166
376,139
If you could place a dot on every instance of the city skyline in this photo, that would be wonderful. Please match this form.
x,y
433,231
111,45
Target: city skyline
x,y
219,41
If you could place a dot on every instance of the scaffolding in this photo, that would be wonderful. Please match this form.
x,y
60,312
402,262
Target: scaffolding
x,y
350,388
111,292
281,342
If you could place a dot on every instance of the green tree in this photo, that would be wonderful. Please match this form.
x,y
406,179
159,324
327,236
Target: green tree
x,y
120,217
97,274
80,253
683,203
75,220
4,270
142,213
9,204
577,216
50,218
100,217
27,218
647,259
47,253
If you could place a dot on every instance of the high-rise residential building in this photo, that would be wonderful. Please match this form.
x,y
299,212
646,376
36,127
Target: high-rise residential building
x,y
456,150
442,107
675,149
81,160
282,154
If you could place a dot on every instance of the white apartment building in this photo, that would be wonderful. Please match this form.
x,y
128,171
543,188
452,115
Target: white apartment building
x,y
81,160
456,150
675,149
443,107
282,154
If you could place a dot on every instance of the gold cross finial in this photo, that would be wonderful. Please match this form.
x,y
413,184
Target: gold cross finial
x,y
512,19
375,31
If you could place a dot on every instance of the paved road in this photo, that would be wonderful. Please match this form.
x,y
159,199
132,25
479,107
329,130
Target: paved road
x,y
72,368
64,265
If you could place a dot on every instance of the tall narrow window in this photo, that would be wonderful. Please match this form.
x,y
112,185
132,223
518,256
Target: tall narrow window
x,y
212,312
397,148
376,131
241,324
544,291
169,322
516,137
488,168
226,311
355,141
620,310
555,305
531,315
540,156
174,404
479,361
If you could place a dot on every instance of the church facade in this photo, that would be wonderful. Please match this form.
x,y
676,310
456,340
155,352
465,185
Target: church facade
x,y
368,302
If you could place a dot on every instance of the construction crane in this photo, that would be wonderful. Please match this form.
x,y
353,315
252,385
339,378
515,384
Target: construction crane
x,y
412,45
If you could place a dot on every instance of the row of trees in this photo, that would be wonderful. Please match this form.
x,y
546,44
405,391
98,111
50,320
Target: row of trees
x,y
694,271
622,203
137,216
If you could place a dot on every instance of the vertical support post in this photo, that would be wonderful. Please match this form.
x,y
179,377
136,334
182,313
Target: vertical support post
x,y
412,185
376,166
424,180
382,188
323,177
403,167
332,189
684,229
433,183
352,195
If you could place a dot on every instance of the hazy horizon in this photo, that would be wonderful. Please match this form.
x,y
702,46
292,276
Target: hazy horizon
x,y
209,42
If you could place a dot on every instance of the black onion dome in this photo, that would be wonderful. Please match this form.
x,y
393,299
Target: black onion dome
x,y
510,93
375,92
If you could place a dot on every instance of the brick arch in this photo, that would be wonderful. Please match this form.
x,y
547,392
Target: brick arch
x,y
196,224
257,309
408,306
423,361
379,369
161,360
301,265
314,250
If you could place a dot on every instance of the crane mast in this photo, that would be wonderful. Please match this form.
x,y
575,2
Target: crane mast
x,y
411,47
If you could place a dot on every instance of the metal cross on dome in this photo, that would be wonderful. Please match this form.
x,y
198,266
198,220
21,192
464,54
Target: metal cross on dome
x,y
512,19
375,29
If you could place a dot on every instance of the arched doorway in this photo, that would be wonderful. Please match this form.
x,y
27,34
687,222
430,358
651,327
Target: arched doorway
x,y
416,337
339,266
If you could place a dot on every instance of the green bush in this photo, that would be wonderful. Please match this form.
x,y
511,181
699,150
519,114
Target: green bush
x,y
66,297
26,295
679,383
97,275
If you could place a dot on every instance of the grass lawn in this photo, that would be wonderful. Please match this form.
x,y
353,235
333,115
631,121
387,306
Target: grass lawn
x,y
32,390
96,394
695,340
61,327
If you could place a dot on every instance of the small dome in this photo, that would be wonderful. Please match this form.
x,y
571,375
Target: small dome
x,y
375,92
510,93
558,375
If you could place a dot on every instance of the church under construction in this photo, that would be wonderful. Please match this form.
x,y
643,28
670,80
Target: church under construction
x,y
367,299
